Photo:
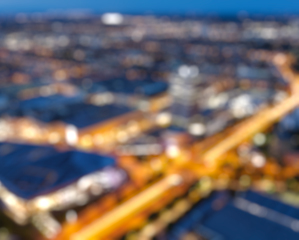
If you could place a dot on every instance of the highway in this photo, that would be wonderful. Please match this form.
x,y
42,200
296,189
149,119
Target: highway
x,y
121,214
247,129
208,152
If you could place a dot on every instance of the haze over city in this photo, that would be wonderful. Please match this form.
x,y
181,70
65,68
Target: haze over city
x,y
156,6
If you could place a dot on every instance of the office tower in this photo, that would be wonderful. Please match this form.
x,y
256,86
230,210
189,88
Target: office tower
x,y
185,87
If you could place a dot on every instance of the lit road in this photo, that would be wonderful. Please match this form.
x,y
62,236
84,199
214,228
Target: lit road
x,y
215,147
260,121
119,215
248,128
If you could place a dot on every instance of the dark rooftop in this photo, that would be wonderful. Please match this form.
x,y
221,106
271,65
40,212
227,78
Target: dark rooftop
x,y
68,110
29,171
83,115
146,87
234,221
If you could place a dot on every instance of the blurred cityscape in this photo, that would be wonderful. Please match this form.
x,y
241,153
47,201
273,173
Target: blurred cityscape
x,y
139,127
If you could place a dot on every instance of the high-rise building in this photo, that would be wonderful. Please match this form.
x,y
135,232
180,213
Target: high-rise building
x,y
185,87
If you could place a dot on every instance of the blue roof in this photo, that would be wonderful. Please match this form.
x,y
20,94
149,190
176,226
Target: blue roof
x,y
290,123
48,102
83,115
45,109
272,203
29,171
13,89
146,87
176,129
153,88
233,223
72,111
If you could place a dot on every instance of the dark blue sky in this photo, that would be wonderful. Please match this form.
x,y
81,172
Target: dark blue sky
x,y
156,6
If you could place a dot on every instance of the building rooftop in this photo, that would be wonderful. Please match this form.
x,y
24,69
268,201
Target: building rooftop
x,y
29,171
69,110
83,115
146,87
248,216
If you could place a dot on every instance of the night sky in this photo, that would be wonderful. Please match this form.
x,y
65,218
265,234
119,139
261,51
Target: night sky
x,y
156,6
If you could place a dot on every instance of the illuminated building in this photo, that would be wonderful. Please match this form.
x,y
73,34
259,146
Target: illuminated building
x,y
42,179
184,90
